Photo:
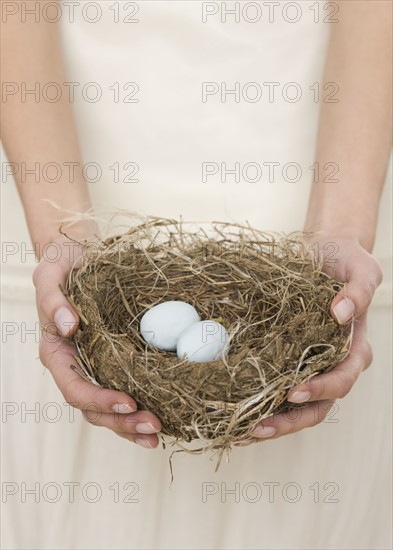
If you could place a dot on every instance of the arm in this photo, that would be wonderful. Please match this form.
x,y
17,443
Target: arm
x,y
42,132
356,134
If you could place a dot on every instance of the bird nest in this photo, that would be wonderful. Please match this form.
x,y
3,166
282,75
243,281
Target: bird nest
x,y
267,290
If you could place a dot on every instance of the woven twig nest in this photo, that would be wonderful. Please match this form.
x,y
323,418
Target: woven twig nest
x,y
268,292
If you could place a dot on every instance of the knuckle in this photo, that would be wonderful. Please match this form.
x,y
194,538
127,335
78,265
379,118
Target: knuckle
x,y
344,388
366,354
375,279
37,273
371,287
378,273
69,395
318,387
45,302
68,398
42,354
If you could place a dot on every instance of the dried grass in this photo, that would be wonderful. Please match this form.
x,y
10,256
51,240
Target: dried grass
x,y
269,292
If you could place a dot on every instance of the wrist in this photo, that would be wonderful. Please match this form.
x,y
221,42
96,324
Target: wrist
x,y
64,237
363,235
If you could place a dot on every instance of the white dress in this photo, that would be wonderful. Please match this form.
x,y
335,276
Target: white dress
x,y
328,487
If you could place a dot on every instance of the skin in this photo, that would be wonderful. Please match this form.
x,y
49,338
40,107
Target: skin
x,y
355,133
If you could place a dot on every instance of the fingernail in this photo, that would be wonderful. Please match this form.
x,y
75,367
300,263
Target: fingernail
x,y
300,396
264,431
144,443
146,428
344,310
123,408
64,320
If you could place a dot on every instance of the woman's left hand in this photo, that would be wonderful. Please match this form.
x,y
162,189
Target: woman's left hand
x,y
346,260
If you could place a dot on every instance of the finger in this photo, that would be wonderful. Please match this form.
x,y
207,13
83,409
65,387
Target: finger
x,y
146,441
141,422
57,357
292,421
52,305
337,383
363,276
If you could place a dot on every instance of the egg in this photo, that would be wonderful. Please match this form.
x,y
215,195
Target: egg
x,y
162,325
201,342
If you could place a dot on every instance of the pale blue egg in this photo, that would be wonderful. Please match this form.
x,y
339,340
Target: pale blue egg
x,y
201,342
162,325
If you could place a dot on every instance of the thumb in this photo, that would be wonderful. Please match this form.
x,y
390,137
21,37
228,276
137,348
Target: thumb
x,y
53,306
363,276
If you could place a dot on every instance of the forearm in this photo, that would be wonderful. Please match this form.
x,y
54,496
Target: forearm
x,y
36,133
356,132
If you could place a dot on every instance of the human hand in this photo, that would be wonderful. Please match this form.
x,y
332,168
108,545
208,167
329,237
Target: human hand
x,y
346,260
102,407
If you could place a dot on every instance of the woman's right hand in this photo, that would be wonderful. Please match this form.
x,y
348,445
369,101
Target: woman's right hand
x,y
102,407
